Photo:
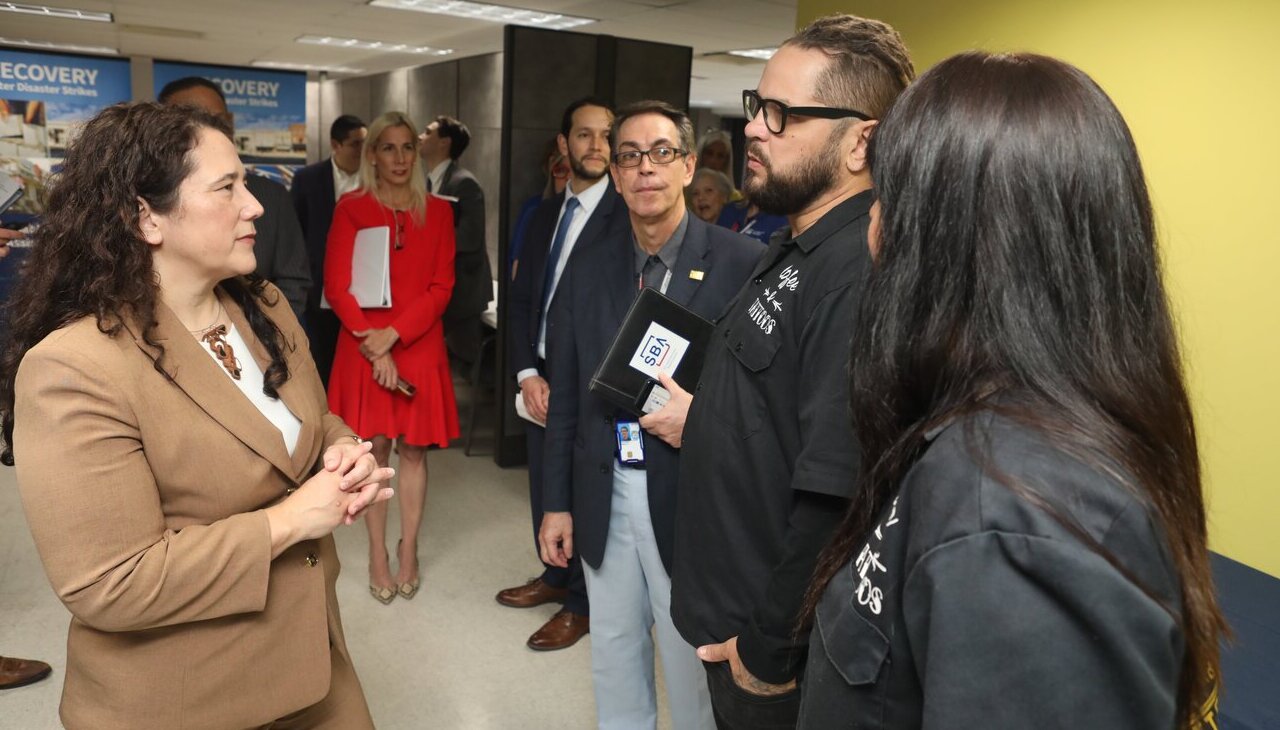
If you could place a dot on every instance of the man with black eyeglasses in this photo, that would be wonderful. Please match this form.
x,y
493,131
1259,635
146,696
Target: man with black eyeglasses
x,y
768,456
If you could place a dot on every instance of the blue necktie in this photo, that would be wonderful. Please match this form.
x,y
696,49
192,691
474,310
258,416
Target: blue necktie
x,y
553,256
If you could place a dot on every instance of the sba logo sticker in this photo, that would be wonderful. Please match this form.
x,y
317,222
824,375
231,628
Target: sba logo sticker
x,y
660,350
656,350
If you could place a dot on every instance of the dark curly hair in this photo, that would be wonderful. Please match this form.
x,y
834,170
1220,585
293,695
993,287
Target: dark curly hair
x,y
88,256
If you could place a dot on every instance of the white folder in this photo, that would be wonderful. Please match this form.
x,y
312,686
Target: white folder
x,y
370,269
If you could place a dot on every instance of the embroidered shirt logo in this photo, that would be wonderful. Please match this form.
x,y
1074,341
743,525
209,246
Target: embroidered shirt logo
x,y
762,311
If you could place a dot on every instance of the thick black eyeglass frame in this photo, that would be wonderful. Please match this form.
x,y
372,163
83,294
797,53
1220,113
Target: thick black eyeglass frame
x,y
750,98
617,157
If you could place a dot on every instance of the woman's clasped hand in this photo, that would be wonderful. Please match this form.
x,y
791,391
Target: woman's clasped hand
x,y
350,483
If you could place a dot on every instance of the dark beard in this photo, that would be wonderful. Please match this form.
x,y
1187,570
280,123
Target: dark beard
x,y
796,191
582,173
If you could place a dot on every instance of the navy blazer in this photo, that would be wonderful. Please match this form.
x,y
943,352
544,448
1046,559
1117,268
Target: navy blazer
x,y
524,300
594,295
314,201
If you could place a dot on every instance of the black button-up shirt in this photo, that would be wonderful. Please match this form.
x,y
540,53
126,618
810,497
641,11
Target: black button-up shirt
x,y
968,605
770,428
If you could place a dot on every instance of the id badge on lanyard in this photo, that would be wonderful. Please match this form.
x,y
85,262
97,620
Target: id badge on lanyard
x,y
630,442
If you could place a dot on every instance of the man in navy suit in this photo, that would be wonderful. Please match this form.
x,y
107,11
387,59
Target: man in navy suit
x,y
316,189
617,514
588,209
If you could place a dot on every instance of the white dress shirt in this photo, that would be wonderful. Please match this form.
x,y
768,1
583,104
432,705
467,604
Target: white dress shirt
x,y
342,182
588,200
436,176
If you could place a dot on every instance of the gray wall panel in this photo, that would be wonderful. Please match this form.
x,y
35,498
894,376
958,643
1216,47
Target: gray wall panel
x,y
317,142
353,98
388,92
480,92
484,159
433,90
330,102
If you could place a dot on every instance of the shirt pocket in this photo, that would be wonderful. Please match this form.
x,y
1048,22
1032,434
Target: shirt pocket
x,y
754,349
733,386
843,685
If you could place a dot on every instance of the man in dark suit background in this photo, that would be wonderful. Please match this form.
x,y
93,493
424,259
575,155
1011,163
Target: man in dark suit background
x,y
316,189
279,248
620,517
588,210
440,146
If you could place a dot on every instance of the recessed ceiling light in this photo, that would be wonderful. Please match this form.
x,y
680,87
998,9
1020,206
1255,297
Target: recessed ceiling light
x,y
384,46
285,66
48,12
760,54
47,46
485,11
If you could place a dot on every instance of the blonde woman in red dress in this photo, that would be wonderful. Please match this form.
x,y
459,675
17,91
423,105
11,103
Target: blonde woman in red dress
x,y
381,353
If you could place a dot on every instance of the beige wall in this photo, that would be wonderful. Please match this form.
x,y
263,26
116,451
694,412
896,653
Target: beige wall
x,y
1200,86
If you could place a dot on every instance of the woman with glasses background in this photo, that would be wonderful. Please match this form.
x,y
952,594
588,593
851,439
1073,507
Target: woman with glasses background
x,y
391,376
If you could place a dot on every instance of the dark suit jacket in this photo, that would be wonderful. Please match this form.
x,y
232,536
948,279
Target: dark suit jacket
x,y
473,277
314,201
524,302
594,294
281,252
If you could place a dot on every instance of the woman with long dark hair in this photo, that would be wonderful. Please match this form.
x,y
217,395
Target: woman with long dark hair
x,y
1026,546
178,465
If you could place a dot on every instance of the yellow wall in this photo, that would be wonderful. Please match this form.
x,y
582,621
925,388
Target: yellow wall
x,y
1199,84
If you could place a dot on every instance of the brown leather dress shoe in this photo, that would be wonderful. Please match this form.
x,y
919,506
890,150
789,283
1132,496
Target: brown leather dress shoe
x,y
16,672
533,593
562,631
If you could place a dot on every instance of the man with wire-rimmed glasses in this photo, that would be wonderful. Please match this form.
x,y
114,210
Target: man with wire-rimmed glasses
x,y
768,457
609,493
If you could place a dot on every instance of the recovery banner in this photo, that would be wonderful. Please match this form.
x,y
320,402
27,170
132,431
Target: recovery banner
x,y
43,99
269,108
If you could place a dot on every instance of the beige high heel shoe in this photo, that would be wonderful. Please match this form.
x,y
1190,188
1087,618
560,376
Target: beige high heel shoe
x,y
410,589
383,594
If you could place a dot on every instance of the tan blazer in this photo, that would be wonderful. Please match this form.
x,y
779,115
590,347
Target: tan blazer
x,y
144,496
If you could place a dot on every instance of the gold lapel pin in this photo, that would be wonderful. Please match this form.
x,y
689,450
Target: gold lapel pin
x,y
696,275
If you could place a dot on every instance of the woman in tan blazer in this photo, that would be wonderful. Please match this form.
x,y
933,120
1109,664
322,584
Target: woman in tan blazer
x,y
177,461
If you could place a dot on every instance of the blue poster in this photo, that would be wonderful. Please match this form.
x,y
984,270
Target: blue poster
x,y
43,97
269,107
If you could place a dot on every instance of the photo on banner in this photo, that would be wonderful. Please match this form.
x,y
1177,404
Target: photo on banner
x,y
44,98
268,108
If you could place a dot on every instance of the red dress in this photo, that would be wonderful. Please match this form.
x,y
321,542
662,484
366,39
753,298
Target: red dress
x,y
421,282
